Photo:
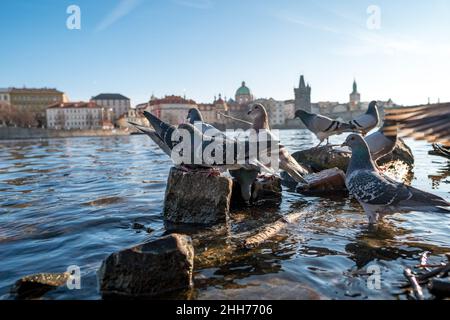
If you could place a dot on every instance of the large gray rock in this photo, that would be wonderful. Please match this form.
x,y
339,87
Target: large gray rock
x,y
35,286
150,269
197,198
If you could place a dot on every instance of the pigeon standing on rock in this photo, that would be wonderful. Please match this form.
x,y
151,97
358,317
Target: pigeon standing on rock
x,y
245,177
286,161
379,194
367,121
248,165
323,127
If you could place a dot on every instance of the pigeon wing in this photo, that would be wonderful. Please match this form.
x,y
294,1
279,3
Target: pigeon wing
x,y
372,188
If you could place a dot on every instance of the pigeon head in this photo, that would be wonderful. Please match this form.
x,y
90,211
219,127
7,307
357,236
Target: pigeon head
x,y
372,108
194,115
361,158
257,110
354,141
259,115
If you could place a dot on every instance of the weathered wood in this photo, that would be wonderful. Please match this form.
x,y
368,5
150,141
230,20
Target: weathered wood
x,y
417,289
266,232
434,273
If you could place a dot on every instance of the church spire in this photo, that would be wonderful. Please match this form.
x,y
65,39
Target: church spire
x,y
355,86
302,82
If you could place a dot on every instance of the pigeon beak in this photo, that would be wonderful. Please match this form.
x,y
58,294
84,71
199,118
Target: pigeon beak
x,y
345,144
248,113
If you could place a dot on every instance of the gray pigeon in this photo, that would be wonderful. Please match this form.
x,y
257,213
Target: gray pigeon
x,y
383,141
245,177
367,121
379,194
163,134
323,127
286,161
167,132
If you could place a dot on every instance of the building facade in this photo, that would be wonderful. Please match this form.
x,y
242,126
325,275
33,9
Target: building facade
x,y
117,103
171,109
31,99
78,116
303,96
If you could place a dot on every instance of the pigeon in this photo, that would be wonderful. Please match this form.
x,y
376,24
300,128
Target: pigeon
x,y
323,127
383,141
166,137
379,194
367,121
240,151
286,161
245,177
195,118
429,122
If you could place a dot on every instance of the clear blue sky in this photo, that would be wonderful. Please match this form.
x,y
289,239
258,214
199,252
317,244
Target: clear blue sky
x,y
206,47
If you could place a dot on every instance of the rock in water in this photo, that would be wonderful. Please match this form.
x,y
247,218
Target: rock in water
x,y
322,158
330,180
197,198
150,269
35,286
318,159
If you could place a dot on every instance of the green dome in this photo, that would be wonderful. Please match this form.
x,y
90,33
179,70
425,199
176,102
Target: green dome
x,y
243,90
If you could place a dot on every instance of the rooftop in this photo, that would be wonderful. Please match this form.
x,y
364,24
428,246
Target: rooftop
x,y
72,105
30,90
110,96
172,100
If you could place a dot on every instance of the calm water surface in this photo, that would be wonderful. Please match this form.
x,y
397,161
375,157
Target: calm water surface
x,y
73,202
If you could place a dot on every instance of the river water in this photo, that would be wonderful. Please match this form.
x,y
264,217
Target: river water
x,y
73,202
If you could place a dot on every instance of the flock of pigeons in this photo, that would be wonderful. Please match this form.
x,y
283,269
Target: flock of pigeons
x,y
377,193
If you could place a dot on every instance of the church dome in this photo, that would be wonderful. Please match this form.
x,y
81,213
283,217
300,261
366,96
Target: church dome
x,y
243,90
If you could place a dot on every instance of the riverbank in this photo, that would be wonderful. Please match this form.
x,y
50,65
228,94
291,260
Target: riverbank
x,y
12,133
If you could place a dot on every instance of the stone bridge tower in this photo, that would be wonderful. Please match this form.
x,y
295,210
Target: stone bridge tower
x,y
303,96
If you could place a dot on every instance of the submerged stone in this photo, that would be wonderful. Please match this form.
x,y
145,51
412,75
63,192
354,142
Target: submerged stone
x,y
150,269
197,198
35,286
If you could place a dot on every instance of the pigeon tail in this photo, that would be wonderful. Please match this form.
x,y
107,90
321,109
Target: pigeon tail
x,y
160,126
421,198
